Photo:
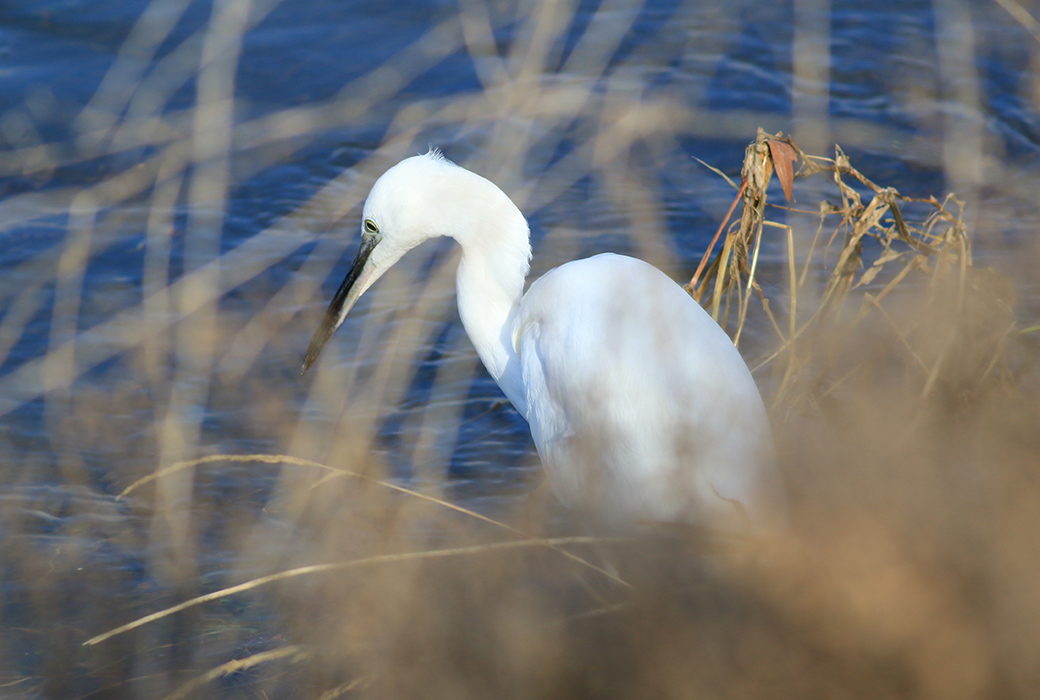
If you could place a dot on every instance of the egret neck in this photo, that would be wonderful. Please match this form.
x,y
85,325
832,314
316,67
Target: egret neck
x,y
496,254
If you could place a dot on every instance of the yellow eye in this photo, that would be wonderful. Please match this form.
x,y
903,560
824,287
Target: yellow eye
x,y
370,226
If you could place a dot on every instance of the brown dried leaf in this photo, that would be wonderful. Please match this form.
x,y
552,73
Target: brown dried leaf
x,y
784,158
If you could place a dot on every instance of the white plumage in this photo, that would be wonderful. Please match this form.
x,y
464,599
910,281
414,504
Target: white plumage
x,y
639,405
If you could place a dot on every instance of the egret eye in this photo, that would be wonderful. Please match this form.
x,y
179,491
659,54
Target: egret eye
x,y
370,226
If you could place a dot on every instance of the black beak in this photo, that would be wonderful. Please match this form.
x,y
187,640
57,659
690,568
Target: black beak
x,y
340,304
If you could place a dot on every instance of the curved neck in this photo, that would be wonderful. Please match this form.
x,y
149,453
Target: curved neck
x,y
496,252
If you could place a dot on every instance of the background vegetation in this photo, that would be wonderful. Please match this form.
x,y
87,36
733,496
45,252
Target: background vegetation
x,y
376,529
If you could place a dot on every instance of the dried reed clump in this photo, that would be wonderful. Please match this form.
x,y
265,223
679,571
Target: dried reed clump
x,y
948,325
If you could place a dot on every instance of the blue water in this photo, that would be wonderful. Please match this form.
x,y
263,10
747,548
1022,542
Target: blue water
x,y
60,479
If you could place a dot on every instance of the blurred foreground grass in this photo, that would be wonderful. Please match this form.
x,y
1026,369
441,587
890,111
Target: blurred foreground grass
x,y
904,390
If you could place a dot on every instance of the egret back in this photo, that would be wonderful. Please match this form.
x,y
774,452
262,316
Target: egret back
x,y
639,404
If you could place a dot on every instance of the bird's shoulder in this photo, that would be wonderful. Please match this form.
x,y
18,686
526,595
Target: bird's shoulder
x,y
594,269
592,283
605,288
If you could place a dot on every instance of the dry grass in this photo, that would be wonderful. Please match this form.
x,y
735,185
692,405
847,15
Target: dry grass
x,y
950,323
341,562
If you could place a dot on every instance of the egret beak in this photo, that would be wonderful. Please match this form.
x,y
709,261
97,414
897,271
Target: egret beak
x,y
341,303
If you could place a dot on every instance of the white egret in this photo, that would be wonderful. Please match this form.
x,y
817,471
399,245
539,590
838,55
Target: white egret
x,y
640,406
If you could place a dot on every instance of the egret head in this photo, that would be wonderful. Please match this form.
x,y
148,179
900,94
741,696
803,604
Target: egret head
x,y
409,203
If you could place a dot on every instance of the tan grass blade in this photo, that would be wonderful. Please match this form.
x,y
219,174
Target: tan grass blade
x,y
294,653
288,459
342,566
